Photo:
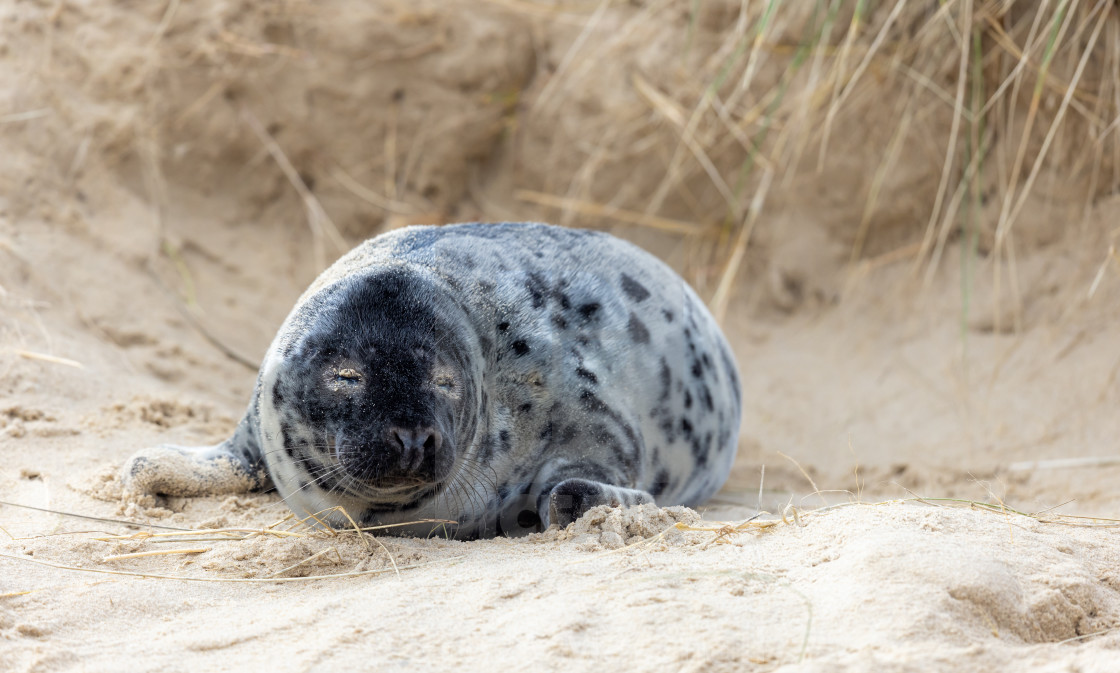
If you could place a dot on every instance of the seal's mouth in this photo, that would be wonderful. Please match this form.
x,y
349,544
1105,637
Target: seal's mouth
x,y
400,496
381,474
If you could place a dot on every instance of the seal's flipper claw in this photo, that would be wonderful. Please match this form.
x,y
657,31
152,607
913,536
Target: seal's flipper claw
x,y
572,498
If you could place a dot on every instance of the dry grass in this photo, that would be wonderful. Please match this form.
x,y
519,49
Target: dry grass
x,y
53,359
318,221
999,95
315,526
355,548
898,123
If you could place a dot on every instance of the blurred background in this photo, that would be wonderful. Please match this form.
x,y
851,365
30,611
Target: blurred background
x,y
903,211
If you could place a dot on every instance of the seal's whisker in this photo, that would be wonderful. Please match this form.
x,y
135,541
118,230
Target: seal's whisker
x,y
309,484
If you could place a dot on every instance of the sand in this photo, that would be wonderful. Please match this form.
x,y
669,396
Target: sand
x,y
150,244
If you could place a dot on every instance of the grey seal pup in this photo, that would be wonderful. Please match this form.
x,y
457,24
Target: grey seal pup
x,y
504,377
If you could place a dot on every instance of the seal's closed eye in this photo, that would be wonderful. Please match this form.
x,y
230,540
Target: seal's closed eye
x,y
343,379
444,380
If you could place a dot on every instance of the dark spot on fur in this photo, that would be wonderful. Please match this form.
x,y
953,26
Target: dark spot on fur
x,y
729,365
525,408
666,376
668,315
706,395
697,371
559,321
485,449
667,429
584,374
503,326
537,288
546,433
660,483
686,428
634,289
638,331
589,311
592,403
286,434
701,450
687,399
620,454
567,435
520,347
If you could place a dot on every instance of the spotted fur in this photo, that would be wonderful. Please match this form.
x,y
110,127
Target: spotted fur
x,y
503,377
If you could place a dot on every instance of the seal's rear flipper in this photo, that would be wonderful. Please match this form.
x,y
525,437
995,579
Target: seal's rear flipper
x,y
572,498
234,466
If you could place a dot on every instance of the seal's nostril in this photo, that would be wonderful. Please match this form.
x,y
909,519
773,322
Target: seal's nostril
x,y
401,437
433,441
415,444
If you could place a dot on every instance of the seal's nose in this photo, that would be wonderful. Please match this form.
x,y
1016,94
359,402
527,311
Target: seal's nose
x,y
414,444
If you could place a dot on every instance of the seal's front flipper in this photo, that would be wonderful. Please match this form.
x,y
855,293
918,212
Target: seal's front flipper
x,y
572,498
234,466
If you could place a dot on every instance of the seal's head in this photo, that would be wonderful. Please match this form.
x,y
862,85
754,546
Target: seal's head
x,y
379,394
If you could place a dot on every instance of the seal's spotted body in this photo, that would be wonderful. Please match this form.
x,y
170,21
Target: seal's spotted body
x,y
502,376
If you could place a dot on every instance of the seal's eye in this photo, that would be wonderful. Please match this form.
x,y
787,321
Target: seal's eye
x,y
446,382
348,375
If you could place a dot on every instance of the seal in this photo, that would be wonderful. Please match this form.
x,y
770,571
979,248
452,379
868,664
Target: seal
x,y
504,377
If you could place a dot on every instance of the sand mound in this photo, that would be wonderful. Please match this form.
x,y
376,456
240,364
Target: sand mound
x,y
606,527
890,587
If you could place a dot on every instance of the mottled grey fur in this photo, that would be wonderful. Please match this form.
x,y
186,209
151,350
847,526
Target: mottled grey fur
x,y
572,369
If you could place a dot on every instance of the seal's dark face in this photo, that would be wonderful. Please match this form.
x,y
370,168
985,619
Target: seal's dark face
x,y
384,385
